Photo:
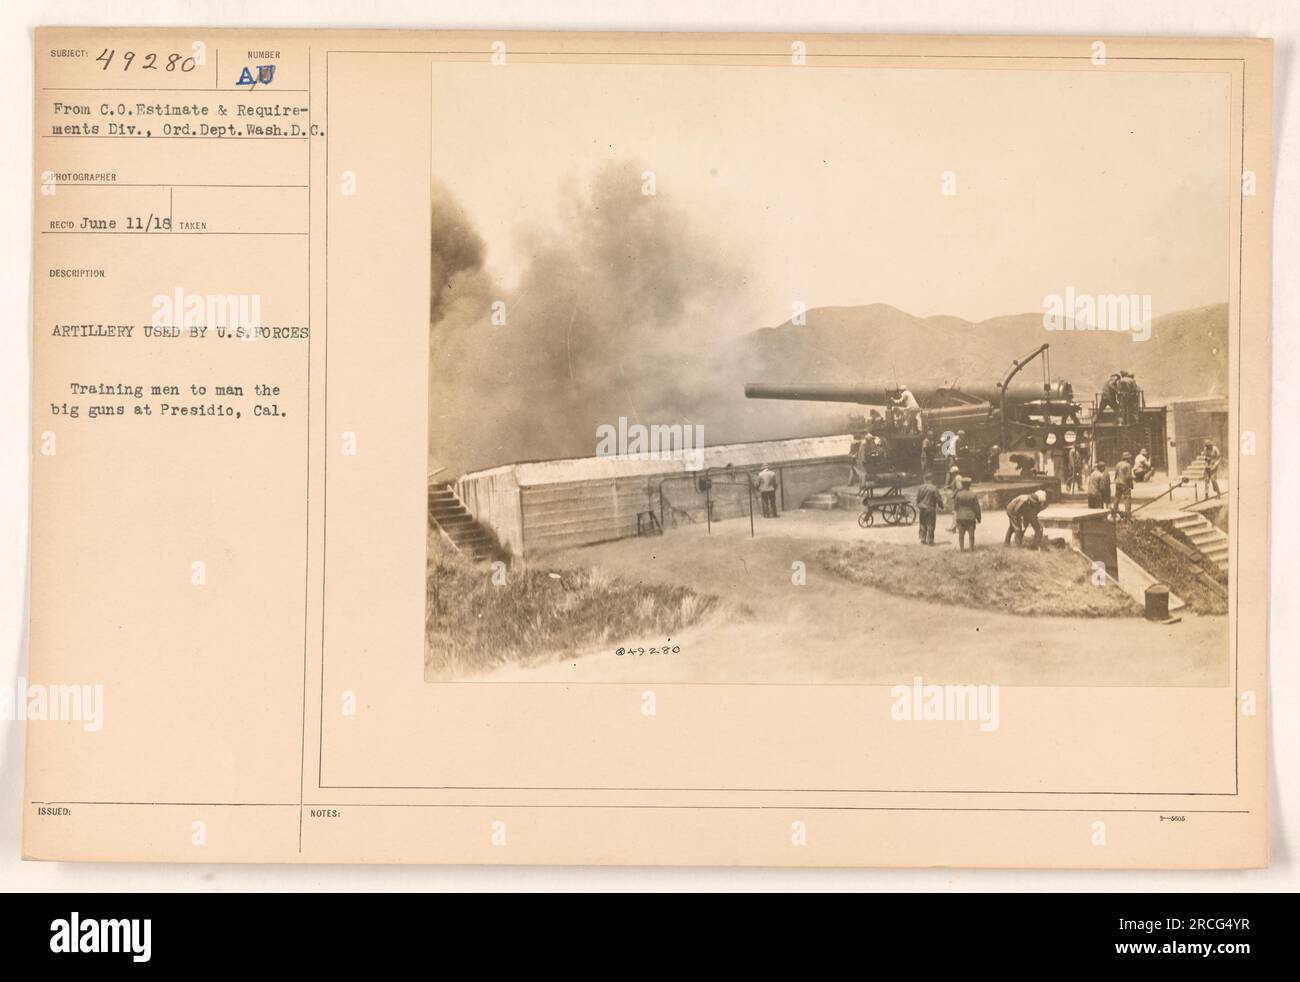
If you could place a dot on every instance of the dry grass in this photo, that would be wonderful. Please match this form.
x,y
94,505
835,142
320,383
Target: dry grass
x,y
1009,580
473,625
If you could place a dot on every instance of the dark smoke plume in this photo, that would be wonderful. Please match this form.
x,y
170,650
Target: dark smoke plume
x,y
625,309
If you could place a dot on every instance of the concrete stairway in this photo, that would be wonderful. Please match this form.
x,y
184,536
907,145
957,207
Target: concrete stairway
x,y
447,514
1206,536
1195,472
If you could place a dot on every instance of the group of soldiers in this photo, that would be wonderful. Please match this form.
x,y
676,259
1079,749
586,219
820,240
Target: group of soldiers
x,y
1120,396
1095,481
1105,489
1022,512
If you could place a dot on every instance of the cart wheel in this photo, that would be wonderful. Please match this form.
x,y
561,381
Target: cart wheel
x,y
890,514
864,518
909,514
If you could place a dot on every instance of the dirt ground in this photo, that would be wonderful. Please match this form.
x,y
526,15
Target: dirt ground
x,y
831,630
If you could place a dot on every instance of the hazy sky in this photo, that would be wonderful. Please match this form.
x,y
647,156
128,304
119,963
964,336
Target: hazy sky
x,y
824,183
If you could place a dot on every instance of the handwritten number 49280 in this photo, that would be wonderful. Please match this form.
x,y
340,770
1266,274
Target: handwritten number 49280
x,y
147,60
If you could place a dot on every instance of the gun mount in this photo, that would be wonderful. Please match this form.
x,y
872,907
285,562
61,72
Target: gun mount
x,y
1009,414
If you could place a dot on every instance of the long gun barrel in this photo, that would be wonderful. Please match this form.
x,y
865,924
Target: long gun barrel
x,y
817,392
932,394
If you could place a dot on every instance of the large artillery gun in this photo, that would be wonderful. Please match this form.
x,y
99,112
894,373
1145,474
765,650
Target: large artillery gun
x,y
1009,414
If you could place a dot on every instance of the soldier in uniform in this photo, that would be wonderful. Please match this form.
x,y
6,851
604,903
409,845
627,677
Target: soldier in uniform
x,y
1110,395
994,459
948,444
1128,397
911,409
858,468
767,491
1212,460
1124,485
1099,486
966,505
1142,466
1022,513
1074,469
928,502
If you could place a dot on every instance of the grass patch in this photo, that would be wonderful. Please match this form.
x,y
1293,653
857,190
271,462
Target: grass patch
x,y
1050,581
473,625
1183,572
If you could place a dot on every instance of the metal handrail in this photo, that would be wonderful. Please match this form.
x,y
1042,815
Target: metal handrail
x,y
1152,501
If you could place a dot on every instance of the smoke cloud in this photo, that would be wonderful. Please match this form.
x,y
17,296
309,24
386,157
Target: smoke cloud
x,y
624,309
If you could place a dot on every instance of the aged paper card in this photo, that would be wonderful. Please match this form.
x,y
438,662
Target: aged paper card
x,y
649,449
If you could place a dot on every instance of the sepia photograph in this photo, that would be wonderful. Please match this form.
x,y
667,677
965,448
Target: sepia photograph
x,y
744,374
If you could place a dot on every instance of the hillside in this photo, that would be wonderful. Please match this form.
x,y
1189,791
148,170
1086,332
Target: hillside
x,y
559,390
1186,355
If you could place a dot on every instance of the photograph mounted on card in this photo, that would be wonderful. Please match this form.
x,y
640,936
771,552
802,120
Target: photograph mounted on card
x,y
474,447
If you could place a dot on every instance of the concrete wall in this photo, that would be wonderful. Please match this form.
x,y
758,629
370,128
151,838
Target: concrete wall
x,y
1096,538
563,515
795,482
729,497
1087,529
492,497
996,495
801,480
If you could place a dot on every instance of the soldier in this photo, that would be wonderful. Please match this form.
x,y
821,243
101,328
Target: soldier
x,y
1110,395
767,491
1023,511
928,503
950,488
1025,464
1124,485
1099,486
910,407
858,468
1142,466
1074,469
1127,393
967,507
948,444
1212,460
